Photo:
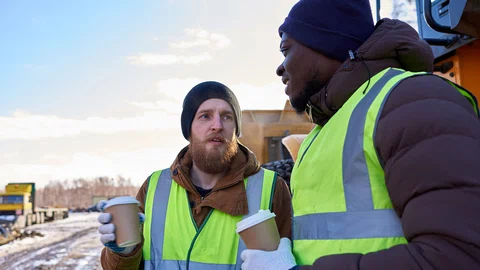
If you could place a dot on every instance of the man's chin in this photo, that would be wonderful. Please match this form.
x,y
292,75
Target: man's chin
x,y
299,106
215,149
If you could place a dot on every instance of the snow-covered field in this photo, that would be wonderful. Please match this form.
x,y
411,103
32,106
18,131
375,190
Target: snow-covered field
x,y
72,243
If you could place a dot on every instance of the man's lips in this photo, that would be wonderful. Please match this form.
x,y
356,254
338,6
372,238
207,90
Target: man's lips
x,y
216,139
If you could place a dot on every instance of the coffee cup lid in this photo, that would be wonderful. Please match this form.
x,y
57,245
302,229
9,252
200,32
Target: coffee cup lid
x,y
121,200
253,220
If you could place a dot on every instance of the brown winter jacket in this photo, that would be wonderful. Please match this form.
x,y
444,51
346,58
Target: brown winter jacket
x,y
428,138
228,196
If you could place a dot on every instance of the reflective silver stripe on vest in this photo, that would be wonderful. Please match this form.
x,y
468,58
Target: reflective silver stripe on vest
x,y
356,182
348,225
254,198
192,265
360,219
159,214
159,210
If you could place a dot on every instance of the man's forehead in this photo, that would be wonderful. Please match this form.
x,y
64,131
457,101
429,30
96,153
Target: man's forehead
x,y
215,104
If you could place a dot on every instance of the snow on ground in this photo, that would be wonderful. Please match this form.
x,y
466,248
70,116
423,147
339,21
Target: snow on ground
x,y
72,243
53,232
74,253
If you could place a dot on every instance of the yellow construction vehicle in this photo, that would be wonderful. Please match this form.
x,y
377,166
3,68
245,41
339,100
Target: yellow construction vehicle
x,y
18,209
263,132
452,29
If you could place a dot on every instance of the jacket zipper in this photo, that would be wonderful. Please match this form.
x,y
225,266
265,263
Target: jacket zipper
x,y
308,147
203,223
197,234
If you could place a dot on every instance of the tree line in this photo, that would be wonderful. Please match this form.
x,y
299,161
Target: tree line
x,y
79,193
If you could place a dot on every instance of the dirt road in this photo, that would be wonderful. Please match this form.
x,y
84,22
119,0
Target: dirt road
x,y
72,243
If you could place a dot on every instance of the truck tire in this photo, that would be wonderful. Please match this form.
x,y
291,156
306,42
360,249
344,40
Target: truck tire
x,y
42,218
283,167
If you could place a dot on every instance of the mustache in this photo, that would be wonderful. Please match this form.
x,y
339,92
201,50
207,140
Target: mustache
x,y
216,136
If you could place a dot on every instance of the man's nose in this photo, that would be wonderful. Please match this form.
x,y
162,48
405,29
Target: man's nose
x,y
280,70
217,123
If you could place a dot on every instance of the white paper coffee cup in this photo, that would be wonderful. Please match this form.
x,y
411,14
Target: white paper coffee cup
x,y
259,231
124,211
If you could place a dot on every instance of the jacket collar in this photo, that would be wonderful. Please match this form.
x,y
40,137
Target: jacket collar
x,y
393,44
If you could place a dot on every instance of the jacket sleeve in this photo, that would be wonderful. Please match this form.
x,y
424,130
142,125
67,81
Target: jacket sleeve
x,y
282,207
428,138
112,260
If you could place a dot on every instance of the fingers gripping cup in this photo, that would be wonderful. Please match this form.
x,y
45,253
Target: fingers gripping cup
x,y
259,231
124,211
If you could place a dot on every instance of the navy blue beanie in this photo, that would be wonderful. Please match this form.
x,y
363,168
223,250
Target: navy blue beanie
x,y
202,92
330,27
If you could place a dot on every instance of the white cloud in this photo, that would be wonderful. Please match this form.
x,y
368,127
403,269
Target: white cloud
x,y
254,97
173,91
221,40
260,97
161,117
190,44
176,88
267,96
136,165
27,126
165,105
203,38
159,114
9,155
151,59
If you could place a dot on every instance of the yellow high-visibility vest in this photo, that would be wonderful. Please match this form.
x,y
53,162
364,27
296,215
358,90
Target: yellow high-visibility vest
x,y
339,196
172,238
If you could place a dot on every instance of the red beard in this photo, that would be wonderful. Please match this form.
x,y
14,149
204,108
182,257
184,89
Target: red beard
x,y
214,160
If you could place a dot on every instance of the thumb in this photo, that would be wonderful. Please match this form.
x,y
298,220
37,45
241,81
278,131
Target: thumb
x,y
285,244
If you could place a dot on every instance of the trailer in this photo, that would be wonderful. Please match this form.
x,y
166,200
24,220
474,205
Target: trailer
x,y
18,210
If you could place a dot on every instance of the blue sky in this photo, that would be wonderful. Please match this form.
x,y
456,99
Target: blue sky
x,y
91,88
65,50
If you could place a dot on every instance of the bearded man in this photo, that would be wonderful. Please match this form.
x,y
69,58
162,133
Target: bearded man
x,y
191,209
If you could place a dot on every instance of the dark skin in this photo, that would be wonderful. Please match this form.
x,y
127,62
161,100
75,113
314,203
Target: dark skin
x,y
303,71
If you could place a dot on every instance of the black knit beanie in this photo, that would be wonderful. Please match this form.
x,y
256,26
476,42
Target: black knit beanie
x,y
331,27
202,92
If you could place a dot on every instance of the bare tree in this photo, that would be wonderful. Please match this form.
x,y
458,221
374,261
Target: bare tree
x,y
79,193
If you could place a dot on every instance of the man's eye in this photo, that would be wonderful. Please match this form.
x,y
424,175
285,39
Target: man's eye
x,y
228,117
204,116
